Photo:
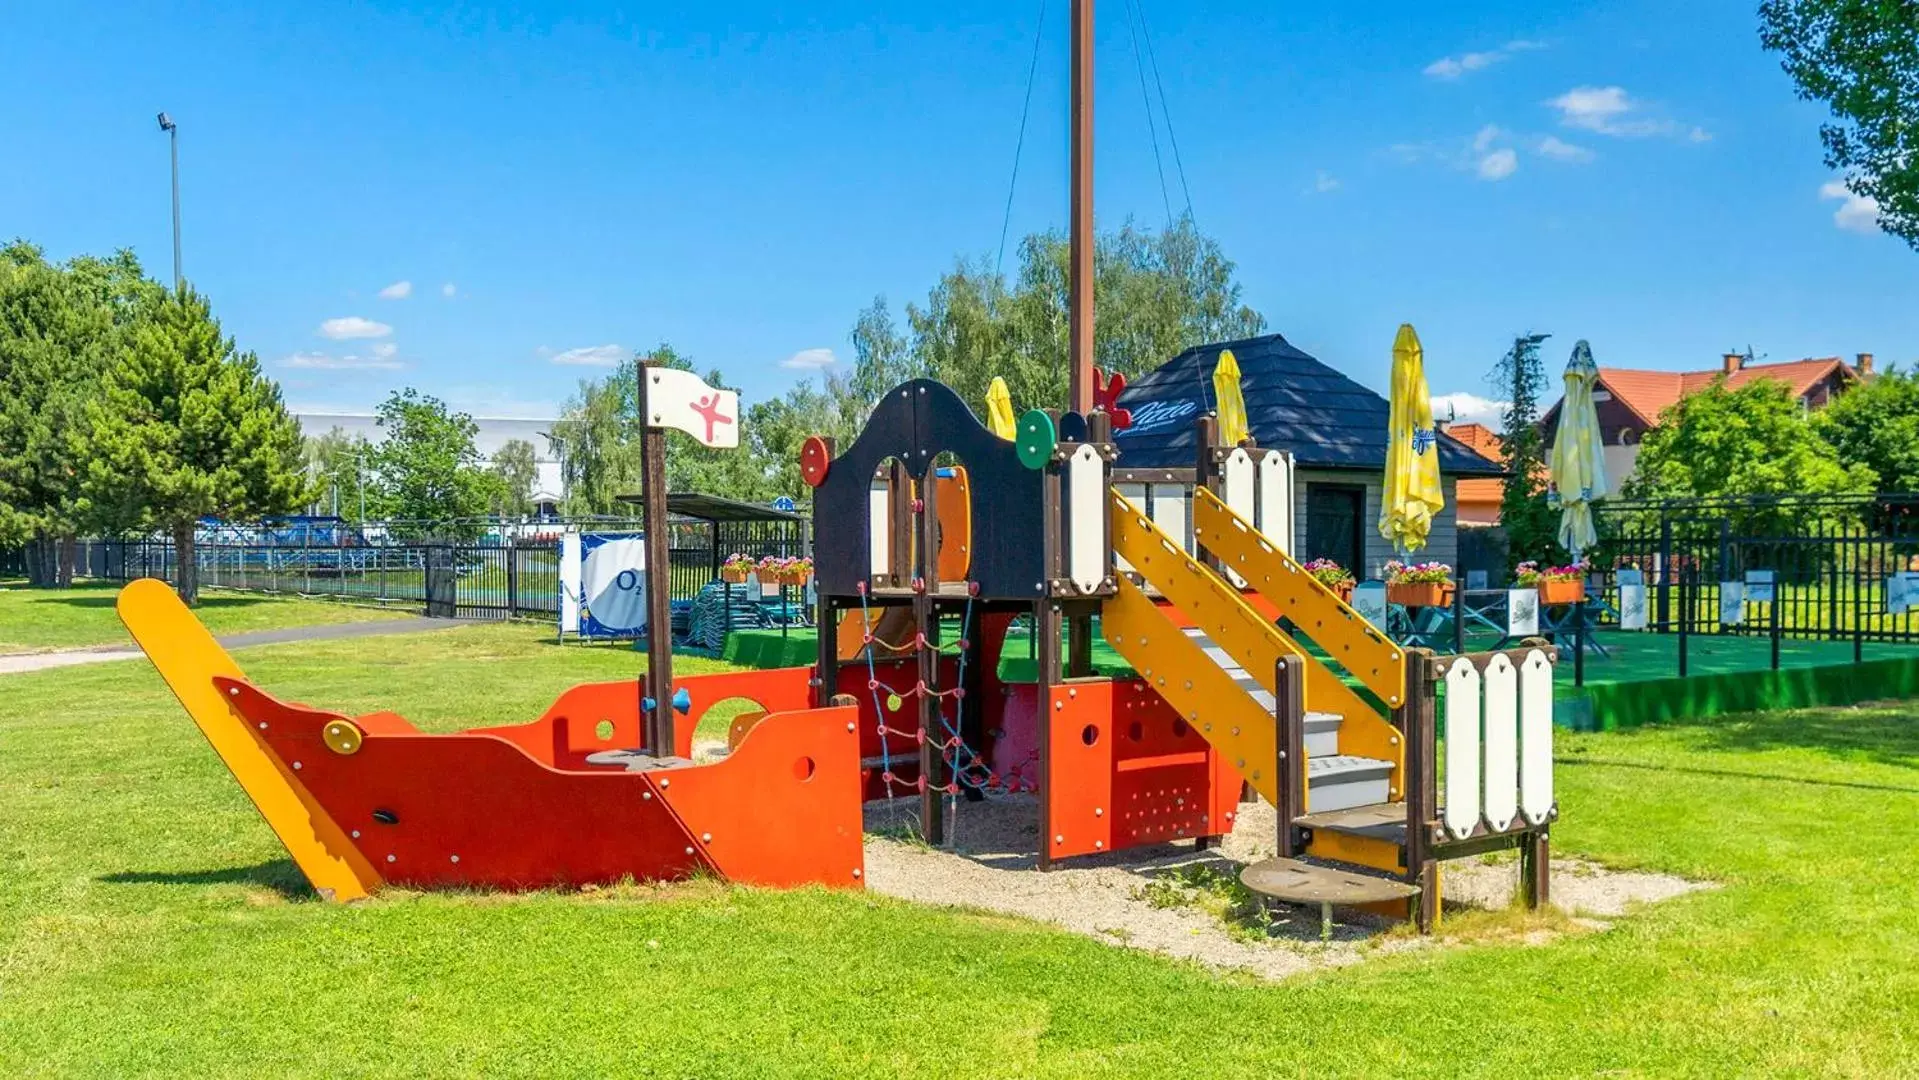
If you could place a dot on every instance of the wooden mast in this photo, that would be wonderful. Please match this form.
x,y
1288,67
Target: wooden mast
x,y
1080,282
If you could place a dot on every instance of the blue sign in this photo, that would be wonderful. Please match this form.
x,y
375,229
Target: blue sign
x,y
786,503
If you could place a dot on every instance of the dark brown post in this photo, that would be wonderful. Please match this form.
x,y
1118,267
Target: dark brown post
x,y
926,620
1080,379
1417,720
899,510
1289,765
1535,868
659,722
827,671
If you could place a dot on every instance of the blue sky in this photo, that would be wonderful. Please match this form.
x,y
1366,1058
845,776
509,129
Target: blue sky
x,y
741,179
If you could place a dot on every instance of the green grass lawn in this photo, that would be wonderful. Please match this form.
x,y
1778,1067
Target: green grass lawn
x,y
149,924
33,620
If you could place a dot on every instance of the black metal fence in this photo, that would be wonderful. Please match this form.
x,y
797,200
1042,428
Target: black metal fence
x,y
504,574
1835,562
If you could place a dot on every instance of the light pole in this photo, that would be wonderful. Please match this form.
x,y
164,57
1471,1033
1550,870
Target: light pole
x,y
173,143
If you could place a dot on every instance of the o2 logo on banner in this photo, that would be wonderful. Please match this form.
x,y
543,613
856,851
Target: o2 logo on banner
x,y
612,579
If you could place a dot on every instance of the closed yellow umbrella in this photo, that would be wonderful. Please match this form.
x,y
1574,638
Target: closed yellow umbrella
x,y
1412,495
1578,460
1233,428
999,409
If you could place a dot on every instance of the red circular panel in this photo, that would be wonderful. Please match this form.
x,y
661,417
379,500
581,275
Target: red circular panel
x,y
815,459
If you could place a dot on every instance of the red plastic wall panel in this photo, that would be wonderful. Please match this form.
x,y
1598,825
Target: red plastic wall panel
x,y
1078,787
474,809
784,808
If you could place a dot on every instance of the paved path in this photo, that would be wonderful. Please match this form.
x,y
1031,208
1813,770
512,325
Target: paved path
x,y
98,654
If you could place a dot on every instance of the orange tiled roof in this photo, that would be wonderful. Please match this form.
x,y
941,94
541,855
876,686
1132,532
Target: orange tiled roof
x,y
1649,393
1481,440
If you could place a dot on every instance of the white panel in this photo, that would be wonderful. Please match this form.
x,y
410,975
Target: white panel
x,y
1276,500
1241,482
1522,612
1461,812
1086,510
1170,512
570,583
1632,607
1502,743
1732,602
877,529
1536,736
1135,494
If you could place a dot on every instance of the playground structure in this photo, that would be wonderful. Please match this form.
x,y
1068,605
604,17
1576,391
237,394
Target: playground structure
x,y
934,537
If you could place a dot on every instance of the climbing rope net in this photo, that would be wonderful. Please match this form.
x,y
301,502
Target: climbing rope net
x,y
965,766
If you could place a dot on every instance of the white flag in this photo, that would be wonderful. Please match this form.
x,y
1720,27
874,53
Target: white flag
x,y
679,400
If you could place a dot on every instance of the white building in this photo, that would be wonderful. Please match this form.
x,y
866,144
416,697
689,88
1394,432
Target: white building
x,y
549,488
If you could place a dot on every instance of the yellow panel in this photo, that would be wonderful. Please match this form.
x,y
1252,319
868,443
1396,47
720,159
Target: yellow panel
x,y
1181,672
1358,850
1359,646
189,659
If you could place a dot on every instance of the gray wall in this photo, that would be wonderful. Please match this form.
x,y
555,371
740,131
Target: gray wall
x,y
1442,544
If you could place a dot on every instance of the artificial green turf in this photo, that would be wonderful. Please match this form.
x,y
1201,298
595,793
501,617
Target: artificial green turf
x,y
33,620
150,925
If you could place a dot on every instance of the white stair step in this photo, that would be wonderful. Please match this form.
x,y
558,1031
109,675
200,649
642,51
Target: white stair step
x,y
1343,781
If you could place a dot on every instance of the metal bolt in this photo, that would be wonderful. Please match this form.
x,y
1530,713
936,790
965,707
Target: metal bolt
x,y
1099,811
1060,839
455,858
233,691
706,838
356,834
850,727
1099,845
646,794
263,725
689,851
296,764
391,858
666,781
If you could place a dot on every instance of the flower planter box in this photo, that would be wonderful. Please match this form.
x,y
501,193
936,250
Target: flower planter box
x,y
796,577
733,577
1567,591
1343,590
1421,594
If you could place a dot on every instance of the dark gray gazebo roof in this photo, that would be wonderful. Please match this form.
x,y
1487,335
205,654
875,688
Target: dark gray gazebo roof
x,y
1293,403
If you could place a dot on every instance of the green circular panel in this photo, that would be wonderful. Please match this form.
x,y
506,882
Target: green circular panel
x,y
1035,439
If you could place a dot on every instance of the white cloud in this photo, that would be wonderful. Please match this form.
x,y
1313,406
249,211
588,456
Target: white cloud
x,y
1552,146
448,290
385,350
399,290
1468,408
591,356
1453,67
1485,138
313,361
350,327
1498,165
810,360
1609,110
1325,183
1856,213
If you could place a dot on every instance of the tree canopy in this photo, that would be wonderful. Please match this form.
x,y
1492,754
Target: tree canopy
x,y
186,426
1861,57
1753,440
516,467
1530,523
60,328
427,469
1877,425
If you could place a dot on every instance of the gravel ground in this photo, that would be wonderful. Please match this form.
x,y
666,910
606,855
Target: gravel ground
x,y
992,868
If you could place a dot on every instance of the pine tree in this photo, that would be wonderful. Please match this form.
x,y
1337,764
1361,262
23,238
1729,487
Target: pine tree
x,y
187,427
